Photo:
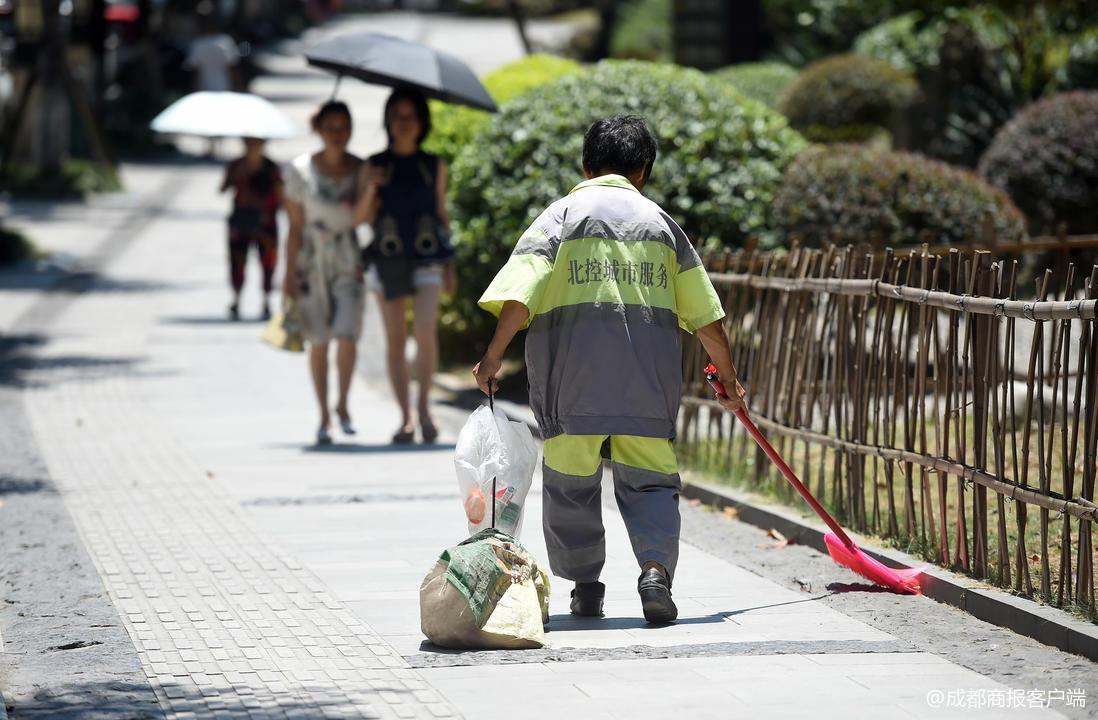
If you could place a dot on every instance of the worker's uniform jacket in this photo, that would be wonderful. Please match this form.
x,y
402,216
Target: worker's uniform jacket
x,y
608,278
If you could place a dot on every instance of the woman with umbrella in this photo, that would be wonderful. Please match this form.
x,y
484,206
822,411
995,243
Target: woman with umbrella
x,y
257,194
323,268
411,257
404,196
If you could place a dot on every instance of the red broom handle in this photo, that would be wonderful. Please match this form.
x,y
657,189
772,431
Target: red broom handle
x,y
753,430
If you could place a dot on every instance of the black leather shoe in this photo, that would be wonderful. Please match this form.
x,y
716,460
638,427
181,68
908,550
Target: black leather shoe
x,y
655,592
587,599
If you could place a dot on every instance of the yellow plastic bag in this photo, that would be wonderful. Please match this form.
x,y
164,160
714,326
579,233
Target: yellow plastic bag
x,y
284,329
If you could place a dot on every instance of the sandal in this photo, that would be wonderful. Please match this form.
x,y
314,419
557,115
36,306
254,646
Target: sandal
x,y
323,437
345,425
404,437
430,432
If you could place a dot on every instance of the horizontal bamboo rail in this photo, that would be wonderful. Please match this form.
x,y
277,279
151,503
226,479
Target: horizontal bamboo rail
x,y
1039,311
1076,507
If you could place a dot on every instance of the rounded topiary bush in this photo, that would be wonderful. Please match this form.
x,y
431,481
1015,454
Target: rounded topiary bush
x,y
972,72
1080,68
907,42
454,125
847,90
852,194
1046,159
762,81
721,160
804,30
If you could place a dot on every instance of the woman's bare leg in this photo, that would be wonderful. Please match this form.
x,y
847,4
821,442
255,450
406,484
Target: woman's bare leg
x,y
396,338
318,365
346,353
426,331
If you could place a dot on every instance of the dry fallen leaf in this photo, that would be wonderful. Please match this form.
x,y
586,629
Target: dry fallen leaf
x,y
694,502
731,513
782,540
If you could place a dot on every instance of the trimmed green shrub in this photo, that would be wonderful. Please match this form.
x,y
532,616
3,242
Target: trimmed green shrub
x,y
643,31
861,134
74,179
847,90
1080,68
1046,158
763,81
908,42
14,246
721,159
852,194
806,30
976,67
454,125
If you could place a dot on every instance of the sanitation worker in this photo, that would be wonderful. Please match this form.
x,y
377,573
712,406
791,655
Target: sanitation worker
x,y
604,279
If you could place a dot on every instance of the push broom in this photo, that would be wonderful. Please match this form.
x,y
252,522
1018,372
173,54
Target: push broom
x,y
839,545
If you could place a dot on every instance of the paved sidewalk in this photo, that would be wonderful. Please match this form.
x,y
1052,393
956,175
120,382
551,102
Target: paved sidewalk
x,y
257,576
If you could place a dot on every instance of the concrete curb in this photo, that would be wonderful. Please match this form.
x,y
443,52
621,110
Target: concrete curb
x,y
3,702
1042,623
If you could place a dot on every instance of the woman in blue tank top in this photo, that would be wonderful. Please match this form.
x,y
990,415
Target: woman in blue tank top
x,y
410,258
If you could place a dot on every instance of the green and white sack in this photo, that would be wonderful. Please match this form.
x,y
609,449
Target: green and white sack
x,y
486,593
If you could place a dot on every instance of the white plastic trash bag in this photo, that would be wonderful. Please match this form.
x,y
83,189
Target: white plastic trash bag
x,y
492,447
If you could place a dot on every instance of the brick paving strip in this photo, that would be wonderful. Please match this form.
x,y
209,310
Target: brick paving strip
x,y
224,625
220,620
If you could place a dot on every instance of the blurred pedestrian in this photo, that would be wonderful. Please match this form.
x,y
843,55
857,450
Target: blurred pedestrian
x,y
605,279
410,258
212,56
323,264
256,182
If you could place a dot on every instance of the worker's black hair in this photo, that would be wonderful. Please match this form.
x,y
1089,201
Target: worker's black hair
x,y
622,144
419,102
332,107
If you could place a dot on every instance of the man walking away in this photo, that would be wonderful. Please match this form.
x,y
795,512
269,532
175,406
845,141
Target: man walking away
x,y
604,279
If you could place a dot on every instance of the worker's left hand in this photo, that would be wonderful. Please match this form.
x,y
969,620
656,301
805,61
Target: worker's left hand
x,y
735,398
485,372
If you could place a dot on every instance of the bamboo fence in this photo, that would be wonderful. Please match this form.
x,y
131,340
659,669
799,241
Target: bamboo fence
x,y
935,397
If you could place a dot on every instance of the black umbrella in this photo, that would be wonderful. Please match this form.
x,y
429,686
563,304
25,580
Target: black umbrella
x,y
385,60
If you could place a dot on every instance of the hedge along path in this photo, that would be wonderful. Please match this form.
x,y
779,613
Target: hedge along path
x,y
934,399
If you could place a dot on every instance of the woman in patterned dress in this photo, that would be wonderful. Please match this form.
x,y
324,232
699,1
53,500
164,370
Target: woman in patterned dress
x,y
323,265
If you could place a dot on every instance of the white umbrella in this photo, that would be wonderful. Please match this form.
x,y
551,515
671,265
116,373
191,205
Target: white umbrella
x,y
224,115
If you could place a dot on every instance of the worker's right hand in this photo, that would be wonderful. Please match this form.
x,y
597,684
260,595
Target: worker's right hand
x,y
485,372
735,399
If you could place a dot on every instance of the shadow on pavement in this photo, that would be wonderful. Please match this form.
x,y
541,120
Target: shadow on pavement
x,y
571,623
212,320
121,700
353,448
56,280
20,368
21,486
781,604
